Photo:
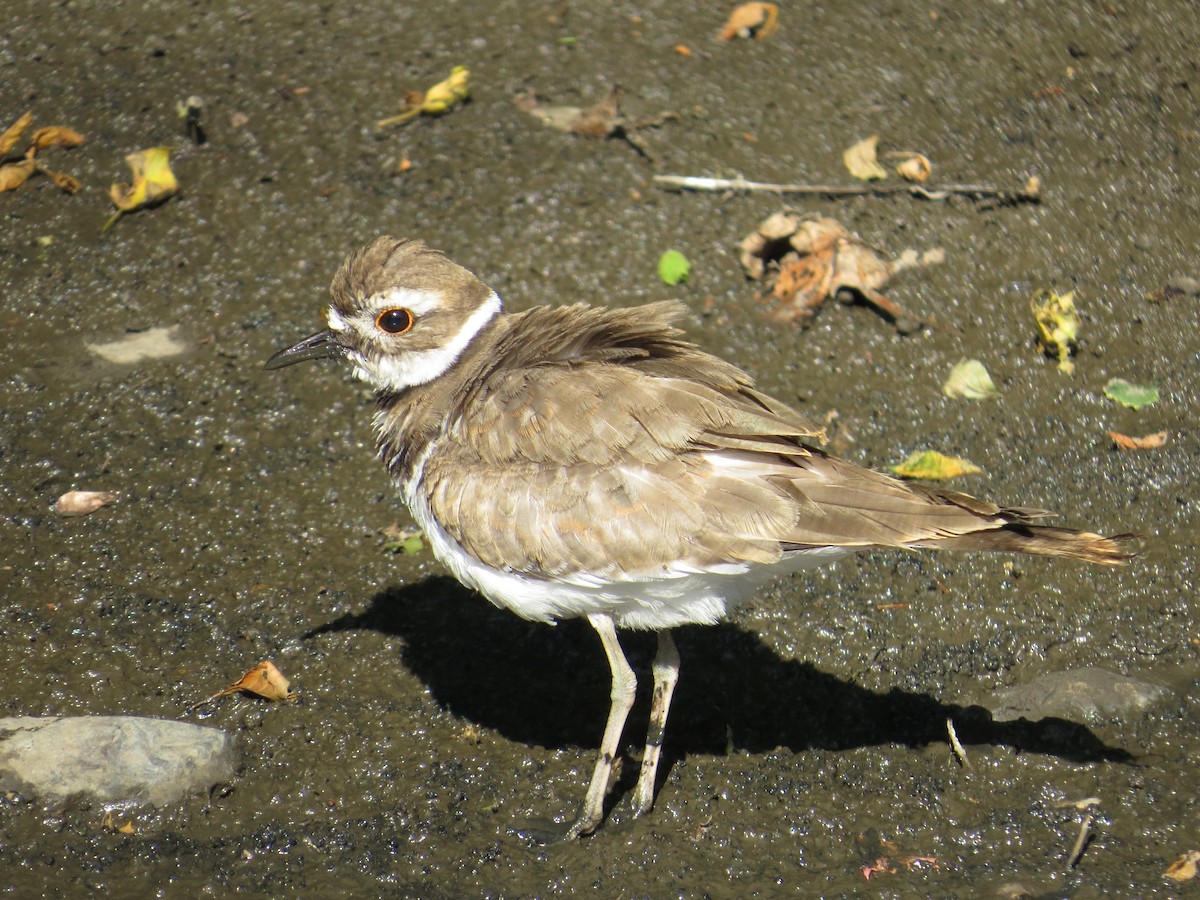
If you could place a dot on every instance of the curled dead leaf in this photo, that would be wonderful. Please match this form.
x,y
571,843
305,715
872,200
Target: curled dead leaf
x,y
1058,325
1149,442
434,102
601,120
153,183
265,680
756,20
862,162
913,167
82,503
56,136
808,259
109,823
64,182
13,133
15,174
1184,868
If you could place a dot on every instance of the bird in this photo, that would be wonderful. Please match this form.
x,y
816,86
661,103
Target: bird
x,y
587,461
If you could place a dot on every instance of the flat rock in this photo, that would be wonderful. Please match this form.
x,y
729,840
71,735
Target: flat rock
x,y
1090,696
114,759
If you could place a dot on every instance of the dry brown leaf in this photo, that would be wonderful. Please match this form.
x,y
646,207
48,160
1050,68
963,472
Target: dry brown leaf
x,y
56,136
62,181
597,121
862,162
1184,868
265,680
809,259
914,167
756,20
109,823
9,139
601,120
1149,442
82,503
15,174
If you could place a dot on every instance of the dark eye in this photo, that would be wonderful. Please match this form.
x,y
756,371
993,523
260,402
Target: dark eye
x,y
394,321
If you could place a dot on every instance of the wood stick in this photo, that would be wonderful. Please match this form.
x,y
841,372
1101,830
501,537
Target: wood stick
x,y
1081,842
1031,193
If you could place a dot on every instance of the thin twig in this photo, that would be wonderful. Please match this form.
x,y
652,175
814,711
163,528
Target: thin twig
x,y
1081,842
959,750
1031,193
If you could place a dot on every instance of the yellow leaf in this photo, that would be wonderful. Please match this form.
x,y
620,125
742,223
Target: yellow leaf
x,y
862,162
437,100
153,182
56,136
1058,325
9,139
932,465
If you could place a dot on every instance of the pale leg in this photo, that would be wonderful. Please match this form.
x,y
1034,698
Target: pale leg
x,y
624,686
666,673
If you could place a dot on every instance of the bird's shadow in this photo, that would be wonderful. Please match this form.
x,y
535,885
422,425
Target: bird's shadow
x,y
550,686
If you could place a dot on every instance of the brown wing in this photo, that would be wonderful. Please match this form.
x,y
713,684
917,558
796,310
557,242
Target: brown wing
x,y
624,458
589,469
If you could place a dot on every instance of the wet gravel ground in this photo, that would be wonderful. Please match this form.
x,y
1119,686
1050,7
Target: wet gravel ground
x,y
808,738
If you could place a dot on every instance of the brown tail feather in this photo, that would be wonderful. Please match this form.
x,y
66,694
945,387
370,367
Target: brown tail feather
x,y
1044,540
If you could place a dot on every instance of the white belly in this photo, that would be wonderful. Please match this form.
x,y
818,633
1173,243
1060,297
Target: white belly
x,y
682,596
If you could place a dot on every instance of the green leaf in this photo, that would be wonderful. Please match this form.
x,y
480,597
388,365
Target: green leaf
x,y
1135,396
971,380
931,465
406,542
673,267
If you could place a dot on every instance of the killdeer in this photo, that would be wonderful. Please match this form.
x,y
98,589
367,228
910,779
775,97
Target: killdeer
x,y
583,461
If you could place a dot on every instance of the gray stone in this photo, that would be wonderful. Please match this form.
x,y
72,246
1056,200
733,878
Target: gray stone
x,y
114,759
1090,696
1185,284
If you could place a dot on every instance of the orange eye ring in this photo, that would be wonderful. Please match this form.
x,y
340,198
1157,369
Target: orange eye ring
x,y
397,320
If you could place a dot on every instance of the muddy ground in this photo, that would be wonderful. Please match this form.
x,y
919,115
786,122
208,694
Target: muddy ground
x,y
808,735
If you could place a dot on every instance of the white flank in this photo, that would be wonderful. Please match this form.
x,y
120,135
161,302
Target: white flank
x,y
678,595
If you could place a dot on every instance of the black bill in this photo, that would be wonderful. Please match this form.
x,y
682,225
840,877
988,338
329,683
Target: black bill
x,y
322,345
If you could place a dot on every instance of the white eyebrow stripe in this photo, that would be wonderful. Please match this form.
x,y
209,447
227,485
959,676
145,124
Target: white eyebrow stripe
x,y
419,303
422,366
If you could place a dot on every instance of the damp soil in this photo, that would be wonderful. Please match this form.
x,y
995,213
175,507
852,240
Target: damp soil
x,y
808,737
